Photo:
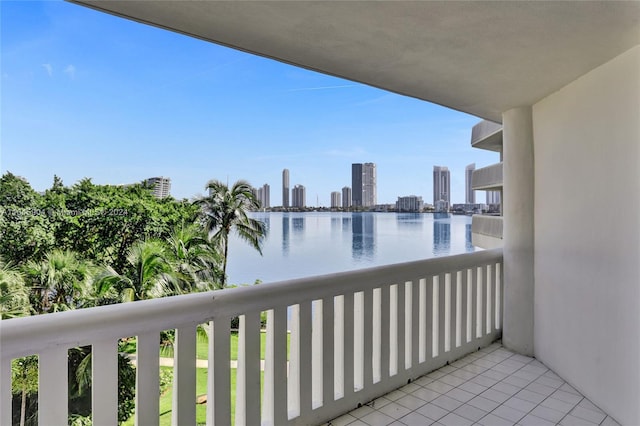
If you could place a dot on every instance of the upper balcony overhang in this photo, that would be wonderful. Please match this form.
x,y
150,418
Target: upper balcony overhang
x,y
482,58
487,135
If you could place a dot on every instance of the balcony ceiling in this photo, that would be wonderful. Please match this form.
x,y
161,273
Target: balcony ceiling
x,y
478,57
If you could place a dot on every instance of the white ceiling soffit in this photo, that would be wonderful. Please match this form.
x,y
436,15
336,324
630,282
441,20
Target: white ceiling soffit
x,y
478,57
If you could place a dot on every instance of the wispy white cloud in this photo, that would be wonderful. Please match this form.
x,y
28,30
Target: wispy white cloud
x,y
70,70
304,89
48,68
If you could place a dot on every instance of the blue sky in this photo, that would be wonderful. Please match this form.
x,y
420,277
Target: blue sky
x,y
85,94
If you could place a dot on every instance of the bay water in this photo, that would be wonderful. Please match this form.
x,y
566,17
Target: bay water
x,y
316,243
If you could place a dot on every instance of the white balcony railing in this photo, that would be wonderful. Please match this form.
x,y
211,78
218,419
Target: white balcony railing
x,y
486,231
354,336
487,178
487,135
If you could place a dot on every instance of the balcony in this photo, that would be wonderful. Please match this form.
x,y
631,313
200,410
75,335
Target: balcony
x,y
487,178
354,337
486,231
487,135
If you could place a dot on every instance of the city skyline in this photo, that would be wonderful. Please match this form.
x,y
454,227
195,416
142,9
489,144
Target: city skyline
x,y
113,109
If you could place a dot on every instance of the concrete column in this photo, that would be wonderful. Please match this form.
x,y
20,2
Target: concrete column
x,y
518,232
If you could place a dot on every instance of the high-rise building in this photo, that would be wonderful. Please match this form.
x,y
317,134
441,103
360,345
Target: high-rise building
x,y
493,197
356,184
263,195
363,184
160,186
335,199
346,197
469,193
299,196
441,188
411,203
285,188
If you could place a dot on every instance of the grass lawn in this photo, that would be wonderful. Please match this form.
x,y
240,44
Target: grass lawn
x,y
166,400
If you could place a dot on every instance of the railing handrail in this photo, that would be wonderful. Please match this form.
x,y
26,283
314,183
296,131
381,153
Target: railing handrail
x,y
31,335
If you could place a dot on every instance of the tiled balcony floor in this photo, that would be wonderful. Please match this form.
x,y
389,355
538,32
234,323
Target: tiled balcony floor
x,y
491,387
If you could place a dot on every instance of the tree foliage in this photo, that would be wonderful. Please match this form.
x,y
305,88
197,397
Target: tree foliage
x,y
90,245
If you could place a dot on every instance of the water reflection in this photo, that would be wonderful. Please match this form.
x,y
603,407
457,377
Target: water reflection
x,y
346,224
441,234
298,225
336,224
408,220
467,237
285,235
363,244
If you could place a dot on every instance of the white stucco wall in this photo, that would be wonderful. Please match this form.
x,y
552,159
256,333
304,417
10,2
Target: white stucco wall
x,y
587,234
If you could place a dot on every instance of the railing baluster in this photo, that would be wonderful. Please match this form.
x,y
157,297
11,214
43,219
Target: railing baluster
x,y
358,341
293,382
428,318
280,365
219,375
483,300
413,323
462,286
52,386
328,319
384,332
471,305
317,353
442,311
393,331
409,344
498,296
368,337
422,319
402,341
104,382
447,312
248,371
435,314
339,340
148,379
184,377
268,394
274,406
5,391
348,345
489,305
454,320
305,358
479,296
376,338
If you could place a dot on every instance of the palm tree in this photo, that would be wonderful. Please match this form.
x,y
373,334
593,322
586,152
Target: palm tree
x,y
195,262
14,296
148,273
225,209
59,282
